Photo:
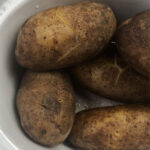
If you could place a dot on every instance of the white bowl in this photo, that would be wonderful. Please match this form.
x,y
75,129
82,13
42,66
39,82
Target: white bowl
x,y
13,14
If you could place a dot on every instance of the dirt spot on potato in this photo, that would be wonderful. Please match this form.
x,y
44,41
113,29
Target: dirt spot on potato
x,y
55,41
44,37
43,132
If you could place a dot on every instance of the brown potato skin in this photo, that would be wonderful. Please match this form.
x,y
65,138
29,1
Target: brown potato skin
x,y
46,107
110,77
133,42
64,36
112,128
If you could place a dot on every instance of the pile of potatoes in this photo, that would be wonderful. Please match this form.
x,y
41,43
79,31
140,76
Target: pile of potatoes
x,y
78,39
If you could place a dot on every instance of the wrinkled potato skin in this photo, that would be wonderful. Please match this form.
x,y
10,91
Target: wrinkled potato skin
x,y
110,77
133,42
65,36
113,128
46,106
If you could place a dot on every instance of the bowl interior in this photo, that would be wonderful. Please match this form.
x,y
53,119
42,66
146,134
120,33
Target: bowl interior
x,y
13,14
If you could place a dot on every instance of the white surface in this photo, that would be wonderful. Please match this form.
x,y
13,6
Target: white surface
x,y
13,13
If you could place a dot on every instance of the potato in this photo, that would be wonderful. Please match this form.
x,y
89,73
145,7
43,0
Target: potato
x,y
113,128
46,106
133,42
110,77
64,36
